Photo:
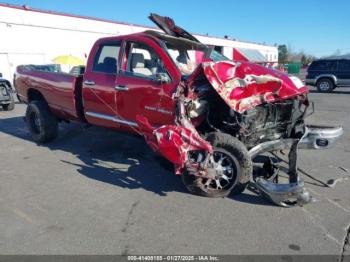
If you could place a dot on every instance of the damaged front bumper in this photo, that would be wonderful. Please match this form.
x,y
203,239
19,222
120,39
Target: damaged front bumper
x,y
320,137
285,195
293,193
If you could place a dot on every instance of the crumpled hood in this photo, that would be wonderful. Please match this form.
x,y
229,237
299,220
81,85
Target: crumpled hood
x,y
244,85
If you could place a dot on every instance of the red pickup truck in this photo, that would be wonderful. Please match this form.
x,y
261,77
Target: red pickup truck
x,y
210,116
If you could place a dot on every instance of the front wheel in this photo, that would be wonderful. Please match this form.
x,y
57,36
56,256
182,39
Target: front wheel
x,y
230,168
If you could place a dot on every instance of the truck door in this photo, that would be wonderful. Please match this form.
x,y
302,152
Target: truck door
x,y
99,95
139,91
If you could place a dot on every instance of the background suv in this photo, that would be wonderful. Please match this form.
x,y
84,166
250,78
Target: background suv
x,y
6,98
327,74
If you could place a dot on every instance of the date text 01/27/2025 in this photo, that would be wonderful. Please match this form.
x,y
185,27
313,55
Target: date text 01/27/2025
x,y
173,258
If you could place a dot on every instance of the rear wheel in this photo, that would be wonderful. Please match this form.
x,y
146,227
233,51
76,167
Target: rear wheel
x,y
42,124
325,85
229,168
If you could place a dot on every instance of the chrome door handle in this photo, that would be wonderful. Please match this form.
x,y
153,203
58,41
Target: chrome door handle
x,y
89,82
121,88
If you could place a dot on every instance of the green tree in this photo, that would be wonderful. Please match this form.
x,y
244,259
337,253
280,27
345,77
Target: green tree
x,y
282,54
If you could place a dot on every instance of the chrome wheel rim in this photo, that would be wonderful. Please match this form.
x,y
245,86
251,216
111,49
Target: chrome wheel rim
x,y
222,171
35,122
324,86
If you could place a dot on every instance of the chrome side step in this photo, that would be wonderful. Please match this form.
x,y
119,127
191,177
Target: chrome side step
x,y
111,118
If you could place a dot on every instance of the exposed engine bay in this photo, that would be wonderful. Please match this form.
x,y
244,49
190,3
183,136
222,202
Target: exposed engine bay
x,y
263,123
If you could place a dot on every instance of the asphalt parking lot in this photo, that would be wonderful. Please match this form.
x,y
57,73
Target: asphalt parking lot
x,y
93,191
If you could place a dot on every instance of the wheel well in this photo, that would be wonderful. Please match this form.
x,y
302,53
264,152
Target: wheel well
x,y
34,94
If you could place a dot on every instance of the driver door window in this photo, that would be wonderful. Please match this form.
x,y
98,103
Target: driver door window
x,y
143,61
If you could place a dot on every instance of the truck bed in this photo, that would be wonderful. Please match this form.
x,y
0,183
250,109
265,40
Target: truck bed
x,y
61,91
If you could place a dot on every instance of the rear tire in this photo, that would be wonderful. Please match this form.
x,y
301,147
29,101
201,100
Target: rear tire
x,y
237,155
325,85
41,123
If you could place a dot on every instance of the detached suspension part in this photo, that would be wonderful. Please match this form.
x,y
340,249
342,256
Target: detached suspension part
x,y
288,194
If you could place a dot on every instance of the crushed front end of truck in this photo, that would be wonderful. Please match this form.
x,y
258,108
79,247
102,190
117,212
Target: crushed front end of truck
x,y
228,114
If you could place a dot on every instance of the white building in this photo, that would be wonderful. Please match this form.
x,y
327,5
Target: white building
x,y
32,36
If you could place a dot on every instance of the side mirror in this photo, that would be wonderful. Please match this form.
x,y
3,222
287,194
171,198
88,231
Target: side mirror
x,y
0,74
162,78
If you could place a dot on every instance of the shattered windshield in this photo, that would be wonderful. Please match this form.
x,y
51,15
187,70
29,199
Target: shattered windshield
x,y
187,54
215,56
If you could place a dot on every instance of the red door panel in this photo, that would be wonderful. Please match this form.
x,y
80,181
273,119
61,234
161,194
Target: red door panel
x,y
144,97
138,92
99,95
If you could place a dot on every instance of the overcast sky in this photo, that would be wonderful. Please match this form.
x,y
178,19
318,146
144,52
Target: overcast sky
x,y
318,27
